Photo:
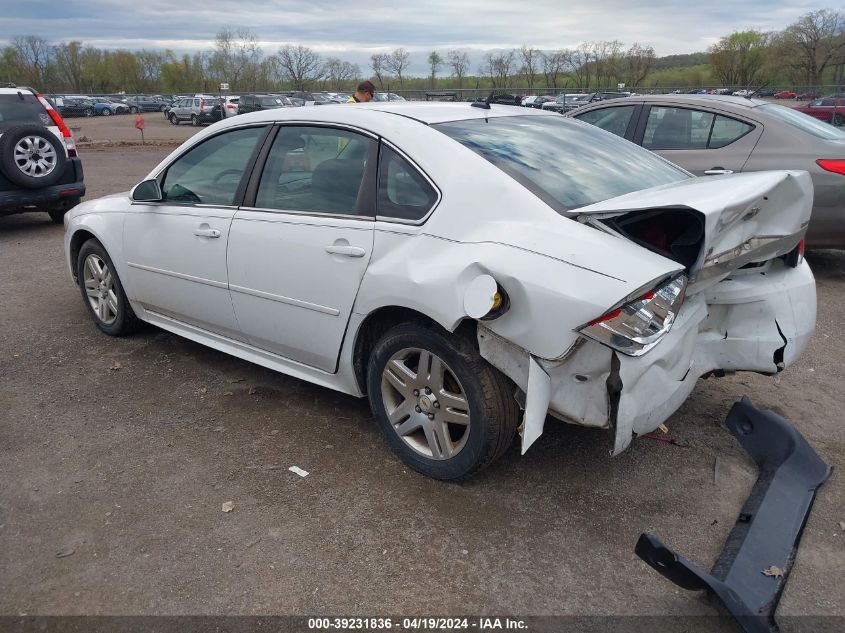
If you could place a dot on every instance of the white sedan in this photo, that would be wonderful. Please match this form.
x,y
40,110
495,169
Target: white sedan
x,y
469,268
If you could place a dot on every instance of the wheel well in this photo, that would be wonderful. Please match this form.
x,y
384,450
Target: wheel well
x,y
76,242
380,321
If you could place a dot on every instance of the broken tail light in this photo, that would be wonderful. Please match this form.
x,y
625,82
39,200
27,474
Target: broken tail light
x,y
639,325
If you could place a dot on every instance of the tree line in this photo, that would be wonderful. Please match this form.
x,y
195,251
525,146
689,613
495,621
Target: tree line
x,y
809,52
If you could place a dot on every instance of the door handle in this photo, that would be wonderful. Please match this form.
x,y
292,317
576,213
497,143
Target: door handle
x,y
207,232
345,249
718,171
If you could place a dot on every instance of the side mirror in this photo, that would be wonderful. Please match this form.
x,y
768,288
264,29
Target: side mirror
x,y
147,191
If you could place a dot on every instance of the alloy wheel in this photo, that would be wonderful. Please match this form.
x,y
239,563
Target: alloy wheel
x,y
99,288
35,156
425,403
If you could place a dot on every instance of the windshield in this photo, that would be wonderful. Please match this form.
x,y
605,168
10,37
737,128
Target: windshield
x,y
804,122
566,163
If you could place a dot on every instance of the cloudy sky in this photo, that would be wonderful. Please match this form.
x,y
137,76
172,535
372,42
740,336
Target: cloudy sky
x,y
354,29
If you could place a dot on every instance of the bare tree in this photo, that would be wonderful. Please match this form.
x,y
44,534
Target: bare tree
x,y
498,68
581,62
639,61
397,62
379,65
555,64
338,72
532,60
300,65
34,54
607,57
459,63
236,57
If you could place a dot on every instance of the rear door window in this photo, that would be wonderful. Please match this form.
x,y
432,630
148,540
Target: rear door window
x,y
316,170
677,128
22,108
403,192
685,128
727,130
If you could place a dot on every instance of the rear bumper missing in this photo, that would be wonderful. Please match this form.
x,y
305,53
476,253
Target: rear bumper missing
x,y
769,527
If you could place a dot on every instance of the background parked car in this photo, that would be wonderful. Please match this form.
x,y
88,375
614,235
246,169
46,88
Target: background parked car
x,y
39,168
785,94
566,102
716,135
146,104
537,101
197,110
829,110
106,107
75,106
255,102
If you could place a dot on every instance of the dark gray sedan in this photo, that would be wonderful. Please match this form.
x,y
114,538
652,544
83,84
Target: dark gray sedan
x,y
710,135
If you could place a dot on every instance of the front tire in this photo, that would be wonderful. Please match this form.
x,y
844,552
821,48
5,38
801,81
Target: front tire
x,y
106,112
174,120
195,121
837,120
444,410
102,291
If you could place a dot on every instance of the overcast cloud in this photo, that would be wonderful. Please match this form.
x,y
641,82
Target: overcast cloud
x,y
353,30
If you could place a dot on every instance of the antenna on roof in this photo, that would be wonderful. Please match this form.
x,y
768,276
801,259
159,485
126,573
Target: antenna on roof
x,y
485,104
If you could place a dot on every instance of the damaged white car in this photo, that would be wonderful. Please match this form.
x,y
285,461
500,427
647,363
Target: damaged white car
x,y
459,264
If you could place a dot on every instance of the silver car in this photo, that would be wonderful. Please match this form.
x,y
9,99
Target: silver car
x,y
711,135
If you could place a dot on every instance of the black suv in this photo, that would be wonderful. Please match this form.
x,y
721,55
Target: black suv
x,y
39,168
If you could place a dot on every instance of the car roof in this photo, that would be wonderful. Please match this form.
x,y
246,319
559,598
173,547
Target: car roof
x,y
739,102
431,112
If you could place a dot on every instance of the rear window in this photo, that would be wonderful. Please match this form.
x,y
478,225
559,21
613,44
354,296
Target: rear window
x,y
803,122
566,163
22,108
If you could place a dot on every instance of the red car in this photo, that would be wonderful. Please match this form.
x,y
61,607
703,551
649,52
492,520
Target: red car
x,y
785,94
828,110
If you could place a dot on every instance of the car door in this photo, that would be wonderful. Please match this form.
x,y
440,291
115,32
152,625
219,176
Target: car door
x,y
176,248
298,252
702,141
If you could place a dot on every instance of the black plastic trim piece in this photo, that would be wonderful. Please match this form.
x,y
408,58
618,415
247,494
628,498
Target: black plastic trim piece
x,y
768,530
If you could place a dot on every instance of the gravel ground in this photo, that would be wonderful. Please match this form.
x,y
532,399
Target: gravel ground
x,y
117,454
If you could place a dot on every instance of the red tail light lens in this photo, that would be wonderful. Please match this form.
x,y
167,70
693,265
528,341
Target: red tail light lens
x,y
60,123
836,165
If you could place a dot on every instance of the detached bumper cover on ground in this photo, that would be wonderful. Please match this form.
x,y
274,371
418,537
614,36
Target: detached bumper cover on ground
x,y
768,529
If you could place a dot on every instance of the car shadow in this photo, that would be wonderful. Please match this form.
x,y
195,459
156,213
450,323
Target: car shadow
x,y
25,223
828,264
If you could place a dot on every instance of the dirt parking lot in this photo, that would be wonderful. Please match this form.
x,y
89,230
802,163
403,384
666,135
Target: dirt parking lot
x,y
116,455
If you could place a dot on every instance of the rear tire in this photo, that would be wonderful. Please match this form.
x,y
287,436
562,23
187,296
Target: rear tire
x,y
40,169
837,120
444,410
58,215
102,291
